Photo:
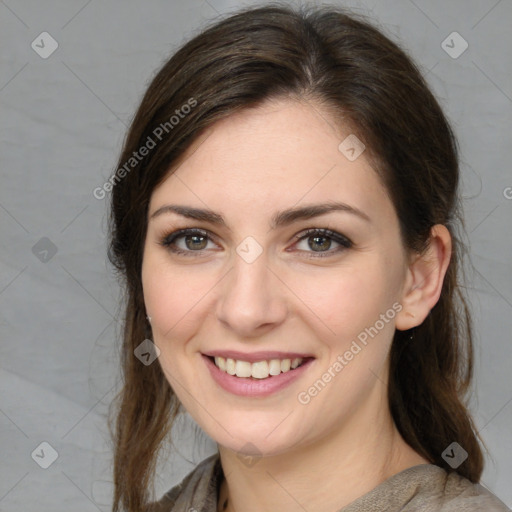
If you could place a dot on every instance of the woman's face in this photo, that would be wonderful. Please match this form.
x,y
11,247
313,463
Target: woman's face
x,y
254,283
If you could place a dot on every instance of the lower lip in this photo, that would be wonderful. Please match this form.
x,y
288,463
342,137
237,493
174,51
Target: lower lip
x,y
249,386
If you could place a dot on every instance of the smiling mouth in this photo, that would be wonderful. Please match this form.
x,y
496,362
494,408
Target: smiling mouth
x,y
259,369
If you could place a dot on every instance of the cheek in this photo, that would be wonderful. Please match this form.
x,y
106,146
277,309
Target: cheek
x,y
346,301
173,298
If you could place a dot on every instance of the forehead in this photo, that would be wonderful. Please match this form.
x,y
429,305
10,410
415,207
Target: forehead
x,y
279,154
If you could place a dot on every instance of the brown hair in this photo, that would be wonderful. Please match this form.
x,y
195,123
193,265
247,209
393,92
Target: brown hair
x,y
350,68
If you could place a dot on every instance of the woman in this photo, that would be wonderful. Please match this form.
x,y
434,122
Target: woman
x,y
285,217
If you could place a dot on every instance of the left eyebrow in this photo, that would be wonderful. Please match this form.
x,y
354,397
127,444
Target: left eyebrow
x,y
282,218
286,217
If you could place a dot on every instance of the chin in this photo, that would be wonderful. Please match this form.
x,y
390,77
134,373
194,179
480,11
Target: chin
x,y
258,435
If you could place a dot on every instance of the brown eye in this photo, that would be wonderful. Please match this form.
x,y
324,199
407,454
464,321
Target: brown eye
x,y
320,241
195,241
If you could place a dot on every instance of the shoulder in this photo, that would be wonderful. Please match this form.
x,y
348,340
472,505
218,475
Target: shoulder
x,y
461,495
438,490
427,488
197,491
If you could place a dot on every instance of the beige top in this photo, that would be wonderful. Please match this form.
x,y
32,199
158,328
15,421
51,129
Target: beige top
x,y
422,488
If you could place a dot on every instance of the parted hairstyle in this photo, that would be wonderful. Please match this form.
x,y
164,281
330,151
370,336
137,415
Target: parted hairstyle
x,y
343,63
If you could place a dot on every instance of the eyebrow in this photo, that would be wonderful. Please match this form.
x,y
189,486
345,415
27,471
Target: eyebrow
x,y
282,218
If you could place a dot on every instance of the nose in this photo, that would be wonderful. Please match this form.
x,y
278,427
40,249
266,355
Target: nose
x,y
252,299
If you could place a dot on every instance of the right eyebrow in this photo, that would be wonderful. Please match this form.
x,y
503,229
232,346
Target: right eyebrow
x,y
191,213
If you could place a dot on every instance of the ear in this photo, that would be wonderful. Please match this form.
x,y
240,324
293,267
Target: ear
x,y
424,279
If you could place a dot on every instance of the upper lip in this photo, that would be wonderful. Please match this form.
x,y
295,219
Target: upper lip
x,y
254,357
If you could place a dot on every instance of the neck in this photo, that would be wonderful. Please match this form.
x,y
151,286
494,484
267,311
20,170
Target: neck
x,y
345,464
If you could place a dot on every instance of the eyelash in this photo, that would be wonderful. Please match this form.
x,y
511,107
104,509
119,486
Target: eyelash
x,y
169,239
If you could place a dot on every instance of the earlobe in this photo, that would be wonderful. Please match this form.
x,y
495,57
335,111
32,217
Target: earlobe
x,y
425,277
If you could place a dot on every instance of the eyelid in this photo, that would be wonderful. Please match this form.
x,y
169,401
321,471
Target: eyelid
x,y
328,233
168,238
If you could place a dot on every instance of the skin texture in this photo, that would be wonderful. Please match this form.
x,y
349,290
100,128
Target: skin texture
x,y
281,155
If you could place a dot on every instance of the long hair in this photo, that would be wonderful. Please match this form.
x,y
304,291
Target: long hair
x,y
343,63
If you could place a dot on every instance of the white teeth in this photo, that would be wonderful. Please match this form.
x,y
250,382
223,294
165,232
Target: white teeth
x,y
274,368
230,366
221,363
243,369
258,370
285,365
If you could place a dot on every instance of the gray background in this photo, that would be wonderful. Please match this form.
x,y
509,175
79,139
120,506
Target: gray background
x,y
62,125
